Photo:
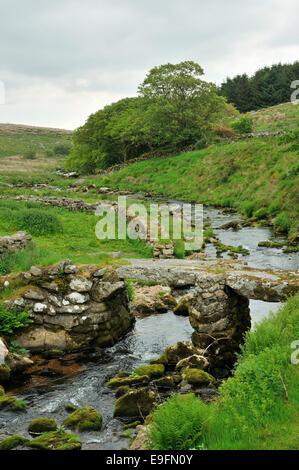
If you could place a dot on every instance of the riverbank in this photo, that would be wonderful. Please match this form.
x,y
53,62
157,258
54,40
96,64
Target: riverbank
x,y
258,177
258,408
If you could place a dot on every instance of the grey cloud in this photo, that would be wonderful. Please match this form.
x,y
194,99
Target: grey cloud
x,y
106,46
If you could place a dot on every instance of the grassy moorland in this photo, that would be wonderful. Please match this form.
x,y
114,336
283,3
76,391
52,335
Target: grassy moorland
x,y
257,408
16,139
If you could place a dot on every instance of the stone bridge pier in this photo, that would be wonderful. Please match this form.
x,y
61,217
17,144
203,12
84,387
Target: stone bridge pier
x,y
220,318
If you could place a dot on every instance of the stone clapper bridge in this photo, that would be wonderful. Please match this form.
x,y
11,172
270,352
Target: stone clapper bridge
x,y
74,307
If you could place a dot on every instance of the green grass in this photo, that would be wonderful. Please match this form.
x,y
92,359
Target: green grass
x,y
247,175
252,410
77,241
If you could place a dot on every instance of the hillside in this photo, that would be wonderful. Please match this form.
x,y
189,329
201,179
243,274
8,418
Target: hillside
x,y
15,139
276,118
258,176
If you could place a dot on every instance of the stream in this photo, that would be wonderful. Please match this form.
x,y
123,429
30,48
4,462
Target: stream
x,y
84,384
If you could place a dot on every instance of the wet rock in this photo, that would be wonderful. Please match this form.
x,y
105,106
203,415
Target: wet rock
x,y
4,373
166,382
183,306
136,403
196,361
18,363
84,419
179,351
149,300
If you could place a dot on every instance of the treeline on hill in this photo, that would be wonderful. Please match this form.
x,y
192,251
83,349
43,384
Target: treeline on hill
x,y
269,86
174,108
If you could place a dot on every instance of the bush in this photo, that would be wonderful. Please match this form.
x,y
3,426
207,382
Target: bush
x,y
179,249
62,149
178,424
282,223
39,222
248,207
261,213
29,154
244,125
10,321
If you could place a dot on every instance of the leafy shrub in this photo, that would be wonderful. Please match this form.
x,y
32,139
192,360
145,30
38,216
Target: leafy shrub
x,y
5,264
62,149
178,424
274,208
248,207
130,290
179,249
244,125
261,213
282,223
202,143
10,321
29,154
39,222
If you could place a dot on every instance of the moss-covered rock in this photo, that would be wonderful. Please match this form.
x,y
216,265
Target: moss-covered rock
x,y
70,408
7,401
131,425
134,380
165,382
2,391
4,373
161,360
179,351
84,419
122,391
13,442
56,440
197,377
152,370
183,306
136,403
40,425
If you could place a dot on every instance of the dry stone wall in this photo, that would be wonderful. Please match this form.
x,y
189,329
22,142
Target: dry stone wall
x,y
14,242
72,307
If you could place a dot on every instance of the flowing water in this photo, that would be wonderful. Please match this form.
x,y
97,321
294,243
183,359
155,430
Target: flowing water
x,y
85,382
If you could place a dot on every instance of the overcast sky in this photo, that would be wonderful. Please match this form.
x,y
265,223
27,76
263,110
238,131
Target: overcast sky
x,y
61,60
